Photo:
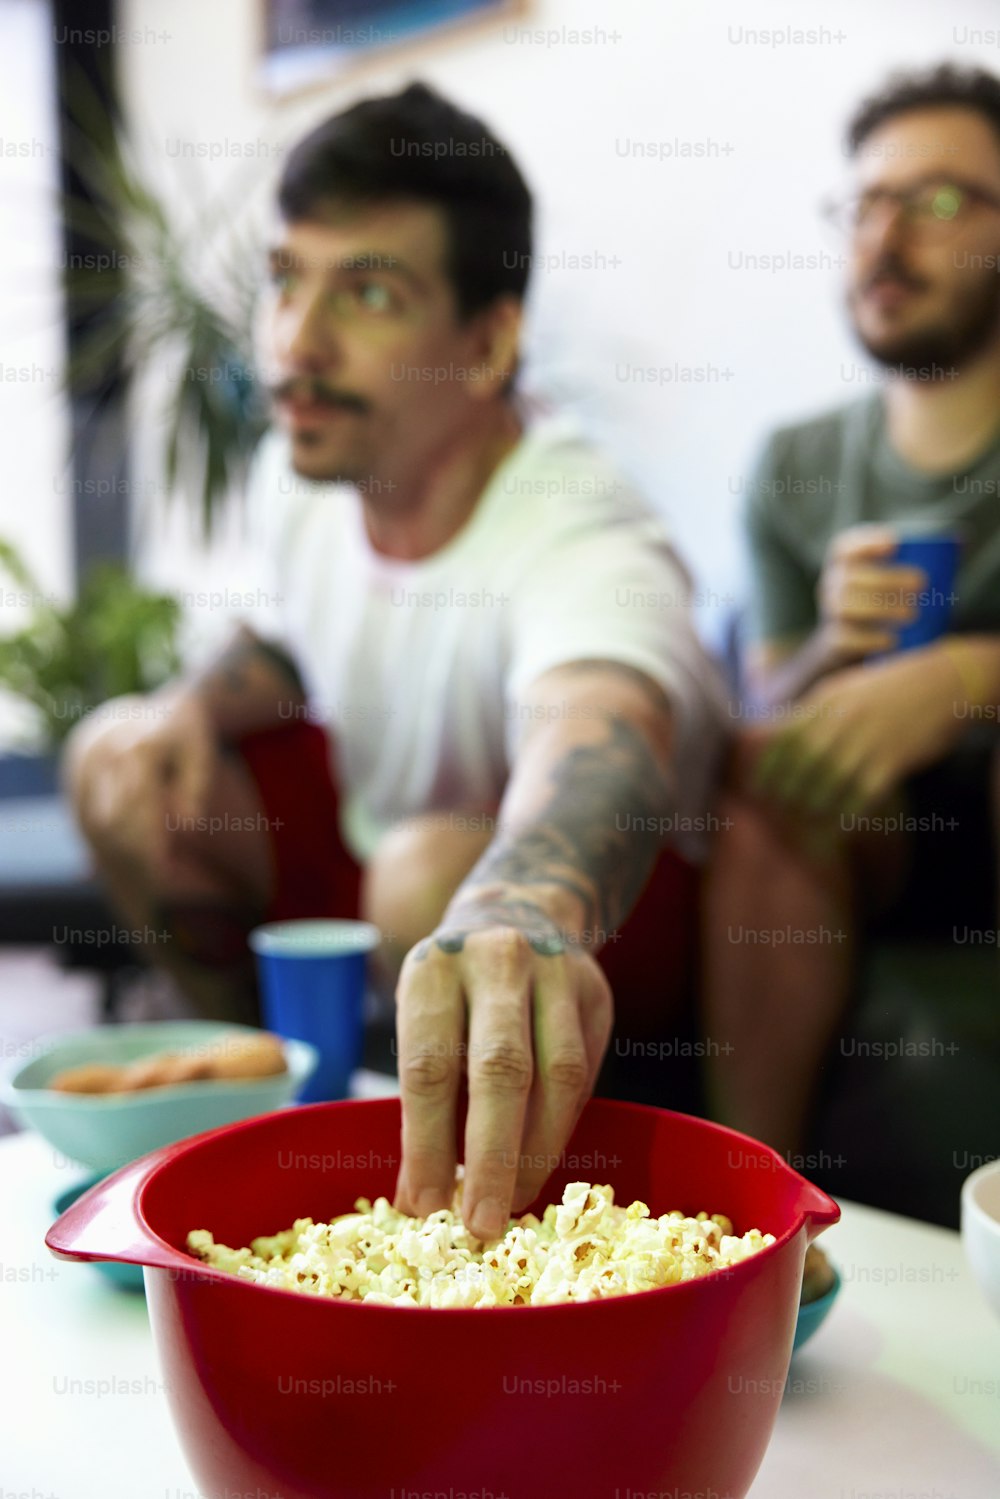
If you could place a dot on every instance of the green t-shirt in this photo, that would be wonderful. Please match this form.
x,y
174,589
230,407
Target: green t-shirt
x,y
817,479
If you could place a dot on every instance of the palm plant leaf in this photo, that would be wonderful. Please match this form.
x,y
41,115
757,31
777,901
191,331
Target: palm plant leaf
x,y
150,301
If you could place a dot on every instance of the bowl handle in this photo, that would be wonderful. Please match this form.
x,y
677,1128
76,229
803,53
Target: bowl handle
x,y
820,1210
105,1224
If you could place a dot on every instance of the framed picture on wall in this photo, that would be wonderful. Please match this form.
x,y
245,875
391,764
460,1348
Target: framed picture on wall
x,y
305,41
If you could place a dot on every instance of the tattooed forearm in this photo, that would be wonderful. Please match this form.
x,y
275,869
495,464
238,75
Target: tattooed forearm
x,y
251,685
597,834
242,659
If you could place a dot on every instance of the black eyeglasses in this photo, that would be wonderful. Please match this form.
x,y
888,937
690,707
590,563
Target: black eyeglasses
x,y
930,208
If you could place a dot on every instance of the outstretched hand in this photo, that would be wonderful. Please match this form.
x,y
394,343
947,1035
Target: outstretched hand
x,y
499,995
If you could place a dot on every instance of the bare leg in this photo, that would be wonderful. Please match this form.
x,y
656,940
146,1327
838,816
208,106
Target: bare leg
x,y
768,1012
199,901
412,876
779,945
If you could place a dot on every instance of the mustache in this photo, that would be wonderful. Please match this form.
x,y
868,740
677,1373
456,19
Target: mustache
x,y
890,267
308,389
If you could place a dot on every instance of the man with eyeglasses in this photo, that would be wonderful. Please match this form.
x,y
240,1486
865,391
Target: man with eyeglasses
x,y
867,783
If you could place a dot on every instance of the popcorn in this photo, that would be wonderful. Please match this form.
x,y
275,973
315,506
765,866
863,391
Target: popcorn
x,y
582,1249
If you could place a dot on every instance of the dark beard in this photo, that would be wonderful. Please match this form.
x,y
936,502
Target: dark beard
x,y
939,352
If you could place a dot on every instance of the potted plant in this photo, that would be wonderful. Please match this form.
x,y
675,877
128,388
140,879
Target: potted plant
x,y
114,638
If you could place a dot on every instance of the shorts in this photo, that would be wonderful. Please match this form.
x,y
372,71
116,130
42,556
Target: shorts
x,y
650,962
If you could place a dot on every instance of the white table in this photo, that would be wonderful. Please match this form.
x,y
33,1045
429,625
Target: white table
x,y
898,1397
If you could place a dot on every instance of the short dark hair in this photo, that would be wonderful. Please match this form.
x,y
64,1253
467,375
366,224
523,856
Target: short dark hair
x,y
416,146
943,86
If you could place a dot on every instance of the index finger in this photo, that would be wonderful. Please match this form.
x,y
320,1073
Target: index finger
x,y
865,541
430,1024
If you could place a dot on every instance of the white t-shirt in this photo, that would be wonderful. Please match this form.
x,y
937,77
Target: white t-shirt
x,y
418,670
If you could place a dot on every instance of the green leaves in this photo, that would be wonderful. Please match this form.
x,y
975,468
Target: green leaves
x,y
116,638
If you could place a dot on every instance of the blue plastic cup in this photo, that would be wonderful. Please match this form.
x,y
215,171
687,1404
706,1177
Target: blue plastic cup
x,y
937,557
312,979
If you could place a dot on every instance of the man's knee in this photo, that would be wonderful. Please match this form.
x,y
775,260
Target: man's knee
x,y
747,835
83,768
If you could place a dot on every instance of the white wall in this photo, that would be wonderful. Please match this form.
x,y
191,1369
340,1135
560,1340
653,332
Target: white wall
x,y
759,347
35,499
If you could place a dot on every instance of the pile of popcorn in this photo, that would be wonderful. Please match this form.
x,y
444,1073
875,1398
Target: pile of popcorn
x,y
583,1249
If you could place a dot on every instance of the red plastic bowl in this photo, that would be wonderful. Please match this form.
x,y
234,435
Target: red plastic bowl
x,y
280,1395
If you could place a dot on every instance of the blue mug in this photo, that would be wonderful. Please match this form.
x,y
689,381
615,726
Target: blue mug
x,y
312,979
937,557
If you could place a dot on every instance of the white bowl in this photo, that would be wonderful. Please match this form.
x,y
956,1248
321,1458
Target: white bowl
x,y
981,1229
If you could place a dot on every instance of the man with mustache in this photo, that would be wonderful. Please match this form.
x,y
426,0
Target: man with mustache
x,y
868,772
511,738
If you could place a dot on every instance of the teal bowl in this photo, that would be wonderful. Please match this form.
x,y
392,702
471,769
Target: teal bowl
x,y
107,1130
123,1277
814,1314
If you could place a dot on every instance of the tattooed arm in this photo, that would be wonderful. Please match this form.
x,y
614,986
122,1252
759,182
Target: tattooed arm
x,y
251,685
508,984
159,754
578,825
